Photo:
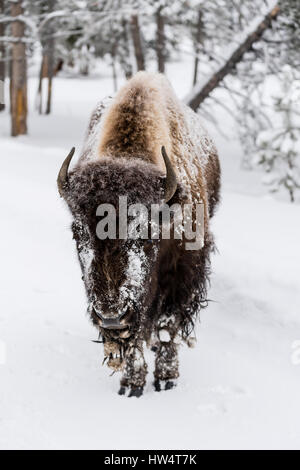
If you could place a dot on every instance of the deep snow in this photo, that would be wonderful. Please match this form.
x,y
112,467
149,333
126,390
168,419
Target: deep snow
x,y
239,388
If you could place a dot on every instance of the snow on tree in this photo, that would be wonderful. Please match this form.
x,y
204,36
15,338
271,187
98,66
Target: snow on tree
x,y
230,57
212,25
279,147
277,50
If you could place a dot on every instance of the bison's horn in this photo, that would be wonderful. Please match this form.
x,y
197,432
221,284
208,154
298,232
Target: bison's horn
x,y
62,178
171,179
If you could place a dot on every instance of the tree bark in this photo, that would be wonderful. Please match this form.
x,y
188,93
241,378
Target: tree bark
x,y
2,52
137,43
47,69
197,46
39,103
10,81
50,69
50,58
18,74
160,40
125,59
197,96
113,65
84,61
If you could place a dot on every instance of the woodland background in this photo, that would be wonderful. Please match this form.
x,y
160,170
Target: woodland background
x,y
249,48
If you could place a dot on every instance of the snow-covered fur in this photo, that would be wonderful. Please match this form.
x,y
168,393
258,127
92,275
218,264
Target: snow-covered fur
x,y
160,285
146,115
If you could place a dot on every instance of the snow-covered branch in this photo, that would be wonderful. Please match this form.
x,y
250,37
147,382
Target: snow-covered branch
x,y
9,39
202,90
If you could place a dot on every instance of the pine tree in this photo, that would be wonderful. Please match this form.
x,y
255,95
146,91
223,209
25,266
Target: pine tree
x,y
278,47
279,147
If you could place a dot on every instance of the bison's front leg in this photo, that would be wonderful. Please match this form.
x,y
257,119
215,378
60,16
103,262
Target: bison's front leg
x,y
134,371
166,366
166,361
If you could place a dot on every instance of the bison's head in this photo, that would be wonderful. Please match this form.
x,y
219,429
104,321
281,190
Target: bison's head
x,y
120,274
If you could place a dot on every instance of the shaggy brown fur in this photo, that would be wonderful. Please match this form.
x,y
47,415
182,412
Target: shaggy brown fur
x,y
122,156
144,116
136,122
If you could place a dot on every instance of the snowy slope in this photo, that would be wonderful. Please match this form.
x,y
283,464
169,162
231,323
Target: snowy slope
x,y
239,388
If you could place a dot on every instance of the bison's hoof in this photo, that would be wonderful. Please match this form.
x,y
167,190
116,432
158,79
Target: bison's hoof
x,y
136,392
170,384
160,385
122,390
157,385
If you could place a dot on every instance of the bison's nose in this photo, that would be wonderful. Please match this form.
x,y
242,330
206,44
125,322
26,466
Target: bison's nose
x,y
112,324
119,322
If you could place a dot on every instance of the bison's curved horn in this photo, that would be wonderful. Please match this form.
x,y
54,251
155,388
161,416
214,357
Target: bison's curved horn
x,y
62,178
171,179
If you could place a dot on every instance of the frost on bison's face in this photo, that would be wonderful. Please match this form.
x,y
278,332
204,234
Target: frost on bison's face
x,y
120,276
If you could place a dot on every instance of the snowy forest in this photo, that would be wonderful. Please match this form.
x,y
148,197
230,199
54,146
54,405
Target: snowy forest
x,y
250,49
236,63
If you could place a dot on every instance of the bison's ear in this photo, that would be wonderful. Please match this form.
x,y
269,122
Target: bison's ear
x,y
62,179
171,179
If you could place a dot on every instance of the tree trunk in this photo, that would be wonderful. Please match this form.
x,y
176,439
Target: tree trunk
x,y
197,96
197,47
2,55
137,43
160,40
18,74
39,102
47,69
50,69
10,80
125,58
50,58
84,60
113,65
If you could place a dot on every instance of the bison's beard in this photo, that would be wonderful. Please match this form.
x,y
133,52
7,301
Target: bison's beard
x,y
115,347
114,355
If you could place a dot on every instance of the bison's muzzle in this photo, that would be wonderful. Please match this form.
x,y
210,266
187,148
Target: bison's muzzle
x,y
113,323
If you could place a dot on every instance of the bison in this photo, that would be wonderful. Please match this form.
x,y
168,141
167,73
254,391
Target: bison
x,y
148,146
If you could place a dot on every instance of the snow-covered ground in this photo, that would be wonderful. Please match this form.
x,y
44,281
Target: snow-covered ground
x,y
240,386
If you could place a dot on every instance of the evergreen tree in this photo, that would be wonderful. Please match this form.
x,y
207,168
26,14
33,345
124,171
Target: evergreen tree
x,y
279,147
